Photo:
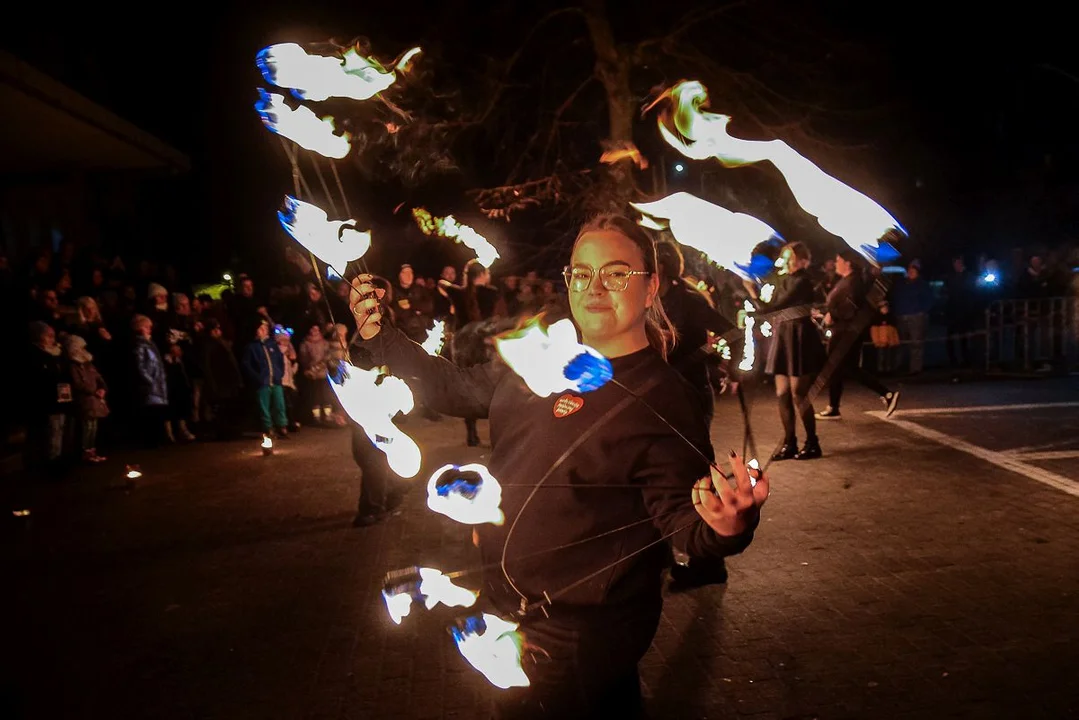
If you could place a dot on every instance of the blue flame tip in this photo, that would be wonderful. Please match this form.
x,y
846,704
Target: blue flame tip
x,y
588,372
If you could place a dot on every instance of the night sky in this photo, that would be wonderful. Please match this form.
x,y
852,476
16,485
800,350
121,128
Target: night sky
x,y
972,144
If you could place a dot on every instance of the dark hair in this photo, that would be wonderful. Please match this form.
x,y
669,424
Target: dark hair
x,y
659,328
473,269
669,256
850,256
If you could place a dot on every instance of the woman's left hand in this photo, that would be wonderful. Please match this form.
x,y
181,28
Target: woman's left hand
x,y
730,511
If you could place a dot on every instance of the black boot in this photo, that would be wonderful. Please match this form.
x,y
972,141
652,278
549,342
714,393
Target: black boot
x,y
810,451
788,451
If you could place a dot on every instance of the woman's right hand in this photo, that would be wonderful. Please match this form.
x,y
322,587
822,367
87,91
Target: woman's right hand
x,y
363,301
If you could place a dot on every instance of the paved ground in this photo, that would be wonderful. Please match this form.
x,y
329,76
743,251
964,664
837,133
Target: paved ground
x,y
911,573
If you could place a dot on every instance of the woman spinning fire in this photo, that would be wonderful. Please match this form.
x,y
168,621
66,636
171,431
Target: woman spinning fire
x,y
591,609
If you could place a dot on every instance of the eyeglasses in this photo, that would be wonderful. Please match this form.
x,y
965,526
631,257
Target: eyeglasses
x,y
613,277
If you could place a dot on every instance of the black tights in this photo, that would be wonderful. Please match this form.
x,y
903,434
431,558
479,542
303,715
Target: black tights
x,y
792,393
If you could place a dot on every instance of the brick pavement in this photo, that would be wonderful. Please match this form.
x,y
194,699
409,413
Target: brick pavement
x,y
892,579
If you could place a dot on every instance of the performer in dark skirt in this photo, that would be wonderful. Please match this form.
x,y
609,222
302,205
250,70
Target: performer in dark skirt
x,y
477,304
796,353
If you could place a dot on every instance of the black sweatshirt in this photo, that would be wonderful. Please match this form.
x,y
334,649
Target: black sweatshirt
x,y
632,446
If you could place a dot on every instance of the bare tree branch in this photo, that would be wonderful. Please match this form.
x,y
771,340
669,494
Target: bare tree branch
x,y
687,21
511,62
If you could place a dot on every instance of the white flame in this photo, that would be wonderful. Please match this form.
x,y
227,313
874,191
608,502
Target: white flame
x,y
726,237
434,588
320,77
334,242
450,228
541,358
435,338
484,505
302,126
496,652
267,442
372,405
749,353
399,605
840,209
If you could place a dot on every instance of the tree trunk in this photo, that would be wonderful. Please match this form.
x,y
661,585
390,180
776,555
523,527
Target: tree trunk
x,y
613,70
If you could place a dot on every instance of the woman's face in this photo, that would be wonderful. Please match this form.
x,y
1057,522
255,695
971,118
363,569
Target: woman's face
x,y
314,333
91,311
605,316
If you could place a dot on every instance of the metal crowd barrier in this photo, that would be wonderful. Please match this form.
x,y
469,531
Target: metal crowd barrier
x,y
1032,335
1036,335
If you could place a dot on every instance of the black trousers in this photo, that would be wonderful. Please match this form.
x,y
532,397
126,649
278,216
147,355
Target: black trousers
x,y
583,672
377,484
848,369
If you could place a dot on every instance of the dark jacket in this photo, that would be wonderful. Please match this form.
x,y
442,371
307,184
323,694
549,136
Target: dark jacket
x,y
693,317
844,301
50,382
611,439
912,298
263,363
222,375
413,309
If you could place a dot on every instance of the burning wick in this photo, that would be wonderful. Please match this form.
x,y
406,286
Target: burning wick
x,y
492,646
553,361
435,338
425,585
468,494
133,472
